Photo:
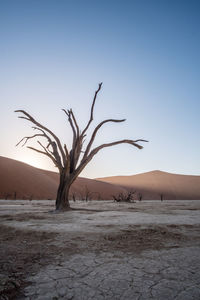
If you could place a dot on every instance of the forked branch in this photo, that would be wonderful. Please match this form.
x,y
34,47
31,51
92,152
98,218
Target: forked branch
x,y
131,142
32,120
26,138
90,156
95,133
68,113
45,153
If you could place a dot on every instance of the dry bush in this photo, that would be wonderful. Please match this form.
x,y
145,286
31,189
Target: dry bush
x,y
124,197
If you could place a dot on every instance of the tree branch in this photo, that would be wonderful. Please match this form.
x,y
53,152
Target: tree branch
x,y
45,153
26,138
66,151
31,119
56,156
53,145
87,159
131,142
95,132
75,122
92,109
77,140
34,149
68,113
51,155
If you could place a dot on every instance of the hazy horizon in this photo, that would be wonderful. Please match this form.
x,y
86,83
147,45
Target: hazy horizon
x,y
54,54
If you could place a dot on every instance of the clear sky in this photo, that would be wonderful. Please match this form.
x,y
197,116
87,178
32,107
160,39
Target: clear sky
x,y
53,54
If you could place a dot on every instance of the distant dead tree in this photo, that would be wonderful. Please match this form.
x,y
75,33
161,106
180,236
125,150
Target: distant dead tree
x,y
124,197
161,197
70,163
7,195
73,196
86,194
140,196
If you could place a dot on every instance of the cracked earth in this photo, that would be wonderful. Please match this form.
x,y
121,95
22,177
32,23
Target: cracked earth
x,y
102,250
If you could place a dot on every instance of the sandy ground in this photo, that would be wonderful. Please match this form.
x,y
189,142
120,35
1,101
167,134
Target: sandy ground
x,y
102,250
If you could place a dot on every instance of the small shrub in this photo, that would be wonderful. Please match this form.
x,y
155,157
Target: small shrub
x,y
124,197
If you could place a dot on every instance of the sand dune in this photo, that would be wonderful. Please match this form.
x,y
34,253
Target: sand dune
x,y
152,184
22,181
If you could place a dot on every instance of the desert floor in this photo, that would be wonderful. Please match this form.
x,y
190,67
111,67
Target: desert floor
x,y
103,250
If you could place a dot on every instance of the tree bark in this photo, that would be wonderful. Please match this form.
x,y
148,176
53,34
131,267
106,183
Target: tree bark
x,y
62,198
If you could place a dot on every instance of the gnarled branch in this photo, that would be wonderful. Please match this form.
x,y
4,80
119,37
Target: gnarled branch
x,y
45,153
31,119
56,156
68,113
131,142
75,122
77,140
26,138
95,132
87,159
53,145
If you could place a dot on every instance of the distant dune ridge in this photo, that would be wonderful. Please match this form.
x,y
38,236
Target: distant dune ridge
x,y
152,184
22,181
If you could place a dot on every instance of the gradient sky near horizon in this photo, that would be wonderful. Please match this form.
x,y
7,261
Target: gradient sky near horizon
x,y
146,53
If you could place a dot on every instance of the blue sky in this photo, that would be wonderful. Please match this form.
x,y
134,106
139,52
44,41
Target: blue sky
x,y
147,53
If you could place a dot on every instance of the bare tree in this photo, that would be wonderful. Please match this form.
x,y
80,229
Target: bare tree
x,y
73,195
140,196
86,194
70,163
7,195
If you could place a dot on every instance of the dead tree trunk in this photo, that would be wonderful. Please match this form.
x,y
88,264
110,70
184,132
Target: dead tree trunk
x,y
62,197
70,163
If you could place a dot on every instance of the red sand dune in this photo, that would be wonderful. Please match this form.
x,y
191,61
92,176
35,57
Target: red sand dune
x,y
152,184
22,181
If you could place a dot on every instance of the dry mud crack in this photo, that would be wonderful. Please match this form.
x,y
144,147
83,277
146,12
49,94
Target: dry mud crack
x,y
147,250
